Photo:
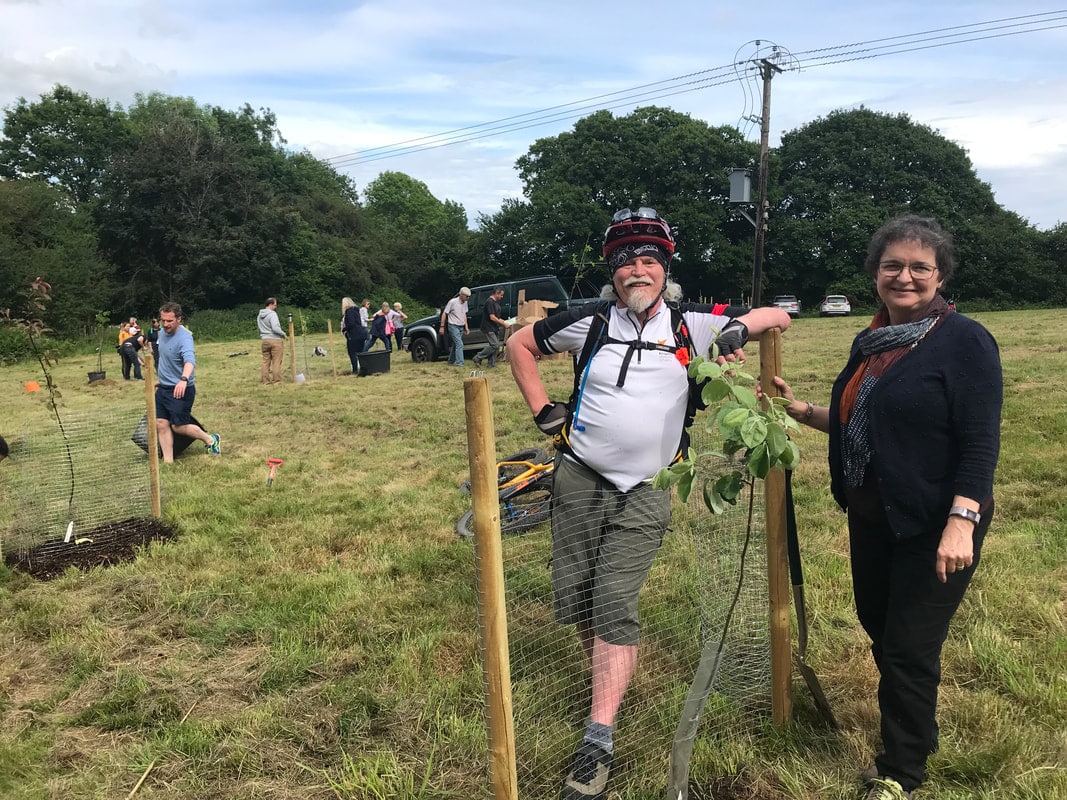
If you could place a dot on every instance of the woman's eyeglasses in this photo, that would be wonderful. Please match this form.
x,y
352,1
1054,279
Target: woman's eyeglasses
x,y
918,270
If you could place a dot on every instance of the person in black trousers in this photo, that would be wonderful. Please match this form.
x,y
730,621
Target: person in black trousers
x,y
914,425
355,332
129,350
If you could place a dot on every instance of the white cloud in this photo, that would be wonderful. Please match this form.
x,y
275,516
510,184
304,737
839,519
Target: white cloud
x,y
348,76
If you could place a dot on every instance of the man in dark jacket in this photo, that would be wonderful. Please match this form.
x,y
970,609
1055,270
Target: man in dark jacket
x,y
493,327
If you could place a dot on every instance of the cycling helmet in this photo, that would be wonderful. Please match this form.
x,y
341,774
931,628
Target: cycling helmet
x,y
641,226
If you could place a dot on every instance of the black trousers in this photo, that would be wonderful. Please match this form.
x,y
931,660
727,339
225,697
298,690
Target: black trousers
x,y
130,362
906,611
355,347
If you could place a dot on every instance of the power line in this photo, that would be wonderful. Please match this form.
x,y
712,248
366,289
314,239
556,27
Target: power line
x,y
706,79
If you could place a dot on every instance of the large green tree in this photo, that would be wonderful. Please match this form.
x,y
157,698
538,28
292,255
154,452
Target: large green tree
x,y
836,180
651,157
40,236
422,243
187,214
67,138
324,256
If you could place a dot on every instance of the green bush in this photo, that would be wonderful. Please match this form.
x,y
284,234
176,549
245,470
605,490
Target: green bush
x,y
15,346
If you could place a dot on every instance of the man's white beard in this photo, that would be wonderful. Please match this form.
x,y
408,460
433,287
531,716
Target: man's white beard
x,y
671,292
640,298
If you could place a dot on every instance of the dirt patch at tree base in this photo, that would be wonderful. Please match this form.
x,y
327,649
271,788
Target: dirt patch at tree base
x,y
102,546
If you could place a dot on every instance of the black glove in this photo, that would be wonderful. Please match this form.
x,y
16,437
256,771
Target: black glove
x,y
733,337
551,418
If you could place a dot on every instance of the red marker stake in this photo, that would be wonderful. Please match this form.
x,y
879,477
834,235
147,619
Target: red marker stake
x,y
273,463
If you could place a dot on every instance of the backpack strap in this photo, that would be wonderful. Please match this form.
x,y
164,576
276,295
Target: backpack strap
x,y
594,339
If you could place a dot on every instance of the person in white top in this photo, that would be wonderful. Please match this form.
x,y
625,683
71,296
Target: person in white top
x,y
628,421
397,317
454,321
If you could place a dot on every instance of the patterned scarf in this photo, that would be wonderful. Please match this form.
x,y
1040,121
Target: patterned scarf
x,y
883,346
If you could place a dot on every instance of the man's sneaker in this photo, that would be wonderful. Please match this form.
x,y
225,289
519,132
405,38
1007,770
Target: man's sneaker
x,y
588,779
886,789
215,448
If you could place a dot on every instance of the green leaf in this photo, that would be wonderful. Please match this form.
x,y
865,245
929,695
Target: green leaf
x,y
777,441
712,499
715,391
729,486
759,462
732,446
745,397
744,377
790,456
754,429
685,486
681,467
662,479
734,417
704,369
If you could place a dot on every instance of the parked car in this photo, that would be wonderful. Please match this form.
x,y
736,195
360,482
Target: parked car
x,y
423,339
788,303
835,305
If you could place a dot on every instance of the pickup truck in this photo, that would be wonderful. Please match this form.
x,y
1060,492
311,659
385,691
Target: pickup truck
x,y
423,339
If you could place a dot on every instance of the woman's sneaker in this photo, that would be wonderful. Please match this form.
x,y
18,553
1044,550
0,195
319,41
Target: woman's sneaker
x,y
588,779
886,789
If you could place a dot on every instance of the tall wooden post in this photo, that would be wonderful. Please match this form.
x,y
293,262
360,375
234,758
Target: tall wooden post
x,y
333,360
481,451
777,554
151,434
292,347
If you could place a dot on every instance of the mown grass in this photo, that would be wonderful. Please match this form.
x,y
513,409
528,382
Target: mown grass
x,y
321,635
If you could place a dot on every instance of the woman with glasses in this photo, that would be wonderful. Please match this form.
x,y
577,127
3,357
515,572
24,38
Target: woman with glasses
x,y
914,427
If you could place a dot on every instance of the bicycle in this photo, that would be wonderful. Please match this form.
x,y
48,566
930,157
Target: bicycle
x,y
524,486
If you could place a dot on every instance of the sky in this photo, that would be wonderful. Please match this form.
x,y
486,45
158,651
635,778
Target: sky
x,y
348,81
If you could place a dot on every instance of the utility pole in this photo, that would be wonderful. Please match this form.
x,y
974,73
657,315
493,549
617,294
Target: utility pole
x,y
768,69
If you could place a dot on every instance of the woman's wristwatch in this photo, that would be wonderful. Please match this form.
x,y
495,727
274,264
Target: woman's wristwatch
x,y
966,513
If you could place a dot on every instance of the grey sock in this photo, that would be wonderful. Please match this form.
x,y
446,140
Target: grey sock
x,y
599,734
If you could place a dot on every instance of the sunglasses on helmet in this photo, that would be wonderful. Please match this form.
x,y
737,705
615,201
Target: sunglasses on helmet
x,y
642,213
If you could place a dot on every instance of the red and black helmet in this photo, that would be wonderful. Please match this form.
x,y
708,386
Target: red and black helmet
x,y
631,227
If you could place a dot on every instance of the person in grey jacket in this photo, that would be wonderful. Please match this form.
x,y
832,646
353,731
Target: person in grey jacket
x,y
273,342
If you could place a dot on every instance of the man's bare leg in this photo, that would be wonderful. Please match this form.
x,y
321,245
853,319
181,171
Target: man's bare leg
x,y
613,667
194,432
166,439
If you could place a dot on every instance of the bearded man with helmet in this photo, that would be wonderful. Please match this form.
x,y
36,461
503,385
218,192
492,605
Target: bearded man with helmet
x,y
625,420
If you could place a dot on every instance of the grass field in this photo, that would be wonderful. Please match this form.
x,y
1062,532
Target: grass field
x,y
318,639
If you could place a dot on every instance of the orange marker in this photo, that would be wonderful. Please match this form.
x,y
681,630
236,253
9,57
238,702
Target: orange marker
x,y
273,463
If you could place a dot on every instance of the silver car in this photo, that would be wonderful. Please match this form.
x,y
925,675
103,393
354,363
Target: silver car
x,y
835,305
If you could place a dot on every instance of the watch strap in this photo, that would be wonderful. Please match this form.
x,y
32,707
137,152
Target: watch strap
x,y
966,513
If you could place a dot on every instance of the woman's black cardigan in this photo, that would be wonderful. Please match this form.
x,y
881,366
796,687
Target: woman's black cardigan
x,y
934,425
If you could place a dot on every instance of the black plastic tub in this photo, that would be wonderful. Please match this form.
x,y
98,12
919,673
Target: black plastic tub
x,y
373,362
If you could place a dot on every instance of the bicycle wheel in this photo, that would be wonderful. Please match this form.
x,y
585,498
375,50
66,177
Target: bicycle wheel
x,y
505,472
519,511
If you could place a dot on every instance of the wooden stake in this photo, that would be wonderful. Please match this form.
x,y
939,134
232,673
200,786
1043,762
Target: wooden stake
x,y
333,361
151,434
777,554
481,451
292,347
